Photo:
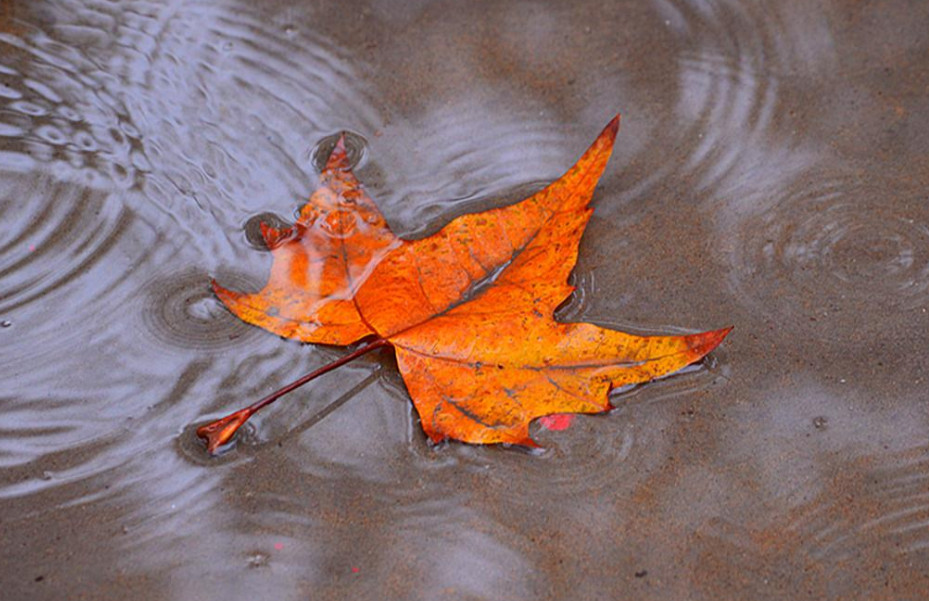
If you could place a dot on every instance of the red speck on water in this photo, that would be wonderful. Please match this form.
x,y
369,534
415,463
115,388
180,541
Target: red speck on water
x,y
556,422
278,546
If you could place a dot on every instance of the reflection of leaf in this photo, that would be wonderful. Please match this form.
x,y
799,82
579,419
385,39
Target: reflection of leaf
x,y
468,310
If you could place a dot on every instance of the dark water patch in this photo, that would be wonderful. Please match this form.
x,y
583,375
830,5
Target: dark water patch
x,y
748,563
461,549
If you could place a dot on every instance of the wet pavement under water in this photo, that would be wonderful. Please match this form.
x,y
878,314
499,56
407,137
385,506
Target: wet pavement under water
x,y
771,173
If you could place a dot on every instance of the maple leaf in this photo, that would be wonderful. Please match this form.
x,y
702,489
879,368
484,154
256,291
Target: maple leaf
x,y
469,311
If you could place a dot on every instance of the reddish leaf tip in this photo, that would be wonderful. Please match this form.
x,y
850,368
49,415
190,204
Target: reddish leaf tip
x,y
529,443
705,342
613,125
216,288
224,295
272,236
338,157
220,432
608,135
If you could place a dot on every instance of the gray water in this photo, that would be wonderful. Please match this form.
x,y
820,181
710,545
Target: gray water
x,y
771,173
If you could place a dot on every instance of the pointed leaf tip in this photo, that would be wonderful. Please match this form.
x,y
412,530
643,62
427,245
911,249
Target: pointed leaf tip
x,y
338,156
225,295
609,132
215,287
220,432
705,342
614,124
273,236
607,138
528,443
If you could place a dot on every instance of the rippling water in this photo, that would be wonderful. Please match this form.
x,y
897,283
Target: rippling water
x,y
771,173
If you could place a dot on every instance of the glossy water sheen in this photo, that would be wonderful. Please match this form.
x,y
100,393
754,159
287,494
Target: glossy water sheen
x,y
771,173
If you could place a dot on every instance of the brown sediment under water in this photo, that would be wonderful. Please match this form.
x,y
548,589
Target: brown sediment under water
x,y
771,173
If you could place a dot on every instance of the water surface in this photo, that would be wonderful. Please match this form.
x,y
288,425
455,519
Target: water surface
x,y
771,174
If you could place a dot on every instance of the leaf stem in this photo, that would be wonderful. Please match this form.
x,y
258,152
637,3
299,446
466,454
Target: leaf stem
x,y
221,431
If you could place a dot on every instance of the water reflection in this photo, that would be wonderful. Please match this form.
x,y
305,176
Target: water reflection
x,y
770,173
832,247
58,114
878,504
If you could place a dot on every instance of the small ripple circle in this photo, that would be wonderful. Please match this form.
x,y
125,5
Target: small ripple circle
x,y
182,312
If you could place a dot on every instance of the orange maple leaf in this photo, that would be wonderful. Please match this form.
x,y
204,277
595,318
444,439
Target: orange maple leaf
x,y
468,310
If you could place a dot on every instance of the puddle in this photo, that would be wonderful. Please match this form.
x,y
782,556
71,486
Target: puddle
x,y
770,174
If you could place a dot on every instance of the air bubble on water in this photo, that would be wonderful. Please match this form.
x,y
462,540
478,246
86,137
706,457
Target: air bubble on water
x,y
51,134
258,559
85,141
29,108
69,113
